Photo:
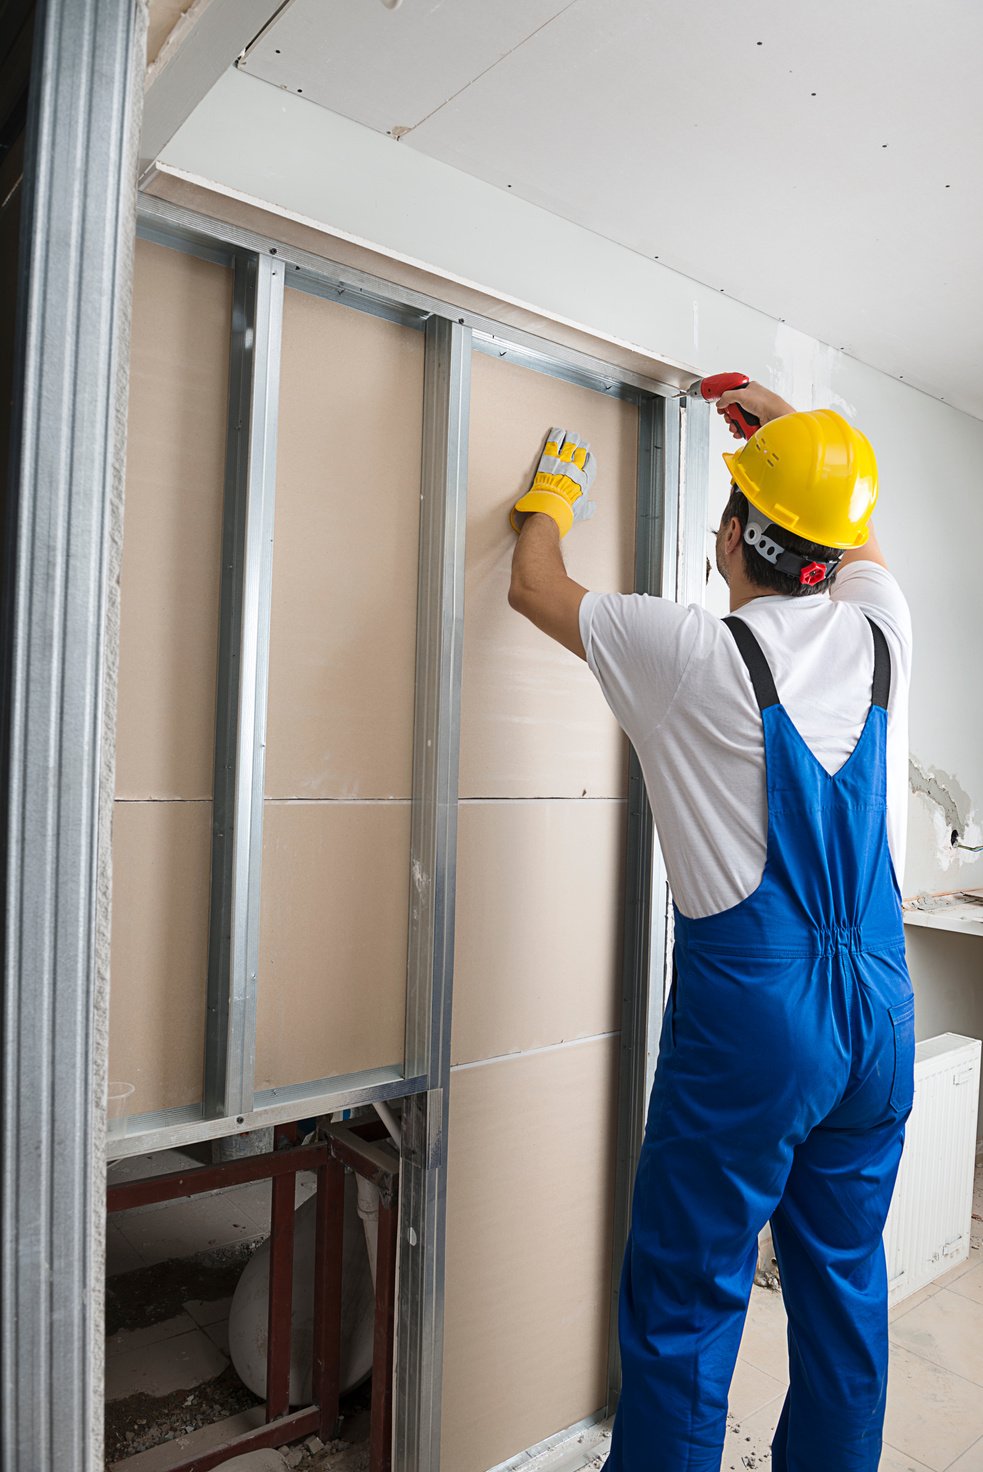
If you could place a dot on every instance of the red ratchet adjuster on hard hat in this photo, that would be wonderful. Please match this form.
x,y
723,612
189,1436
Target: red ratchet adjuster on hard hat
x,y
759,533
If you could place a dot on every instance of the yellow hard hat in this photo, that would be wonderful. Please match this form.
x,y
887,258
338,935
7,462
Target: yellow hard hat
x,y
811,473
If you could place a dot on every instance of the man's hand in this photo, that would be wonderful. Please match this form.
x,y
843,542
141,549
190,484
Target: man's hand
x,y
756,400
562,483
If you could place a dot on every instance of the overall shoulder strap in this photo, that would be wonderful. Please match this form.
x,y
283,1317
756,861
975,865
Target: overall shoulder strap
x,y
881,688
757,666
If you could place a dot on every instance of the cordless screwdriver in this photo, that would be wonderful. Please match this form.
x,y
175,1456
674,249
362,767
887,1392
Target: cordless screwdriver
x,y
721,383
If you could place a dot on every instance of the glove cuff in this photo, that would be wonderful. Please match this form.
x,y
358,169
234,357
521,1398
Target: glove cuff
x,y
550,504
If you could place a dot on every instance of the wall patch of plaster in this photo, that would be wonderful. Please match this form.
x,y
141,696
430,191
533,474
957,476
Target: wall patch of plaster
x,y
956,829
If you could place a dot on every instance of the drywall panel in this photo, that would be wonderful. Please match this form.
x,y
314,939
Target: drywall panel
x,y
343,633
172,525
534,722
333,929
300,52
159,956
539,924
530,1182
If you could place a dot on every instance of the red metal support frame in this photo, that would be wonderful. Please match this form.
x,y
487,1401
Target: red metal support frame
x,y
127,1194
381,1414
328,1259
361,1149
281,1297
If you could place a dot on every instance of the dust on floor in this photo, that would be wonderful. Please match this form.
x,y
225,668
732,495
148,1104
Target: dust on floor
x,y
198,1289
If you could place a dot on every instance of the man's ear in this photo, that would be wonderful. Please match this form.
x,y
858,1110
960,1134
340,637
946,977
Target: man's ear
x,y
734,534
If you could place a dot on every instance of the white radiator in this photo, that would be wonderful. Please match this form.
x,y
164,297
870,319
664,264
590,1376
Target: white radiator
x,y
927,1229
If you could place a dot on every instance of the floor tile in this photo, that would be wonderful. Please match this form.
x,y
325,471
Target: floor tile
x,y
954,1274
971,1461
905,1305
129,1339
765,1343
169,1364
894,1461
748,1441
751,1389
218,1333
207,1311
932,1414
970,1285
121,1255
946,1329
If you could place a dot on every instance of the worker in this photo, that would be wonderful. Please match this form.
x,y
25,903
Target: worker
x,y
774,749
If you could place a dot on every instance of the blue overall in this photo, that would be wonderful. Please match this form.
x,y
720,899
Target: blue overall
x,y
784,1078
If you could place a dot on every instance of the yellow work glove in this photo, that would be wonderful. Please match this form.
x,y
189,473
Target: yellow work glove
x,y
562,483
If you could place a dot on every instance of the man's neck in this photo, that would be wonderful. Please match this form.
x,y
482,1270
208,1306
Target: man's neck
x,y
748,593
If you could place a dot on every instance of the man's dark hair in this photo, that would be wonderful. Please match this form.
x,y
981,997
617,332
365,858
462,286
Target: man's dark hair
x,y
760,571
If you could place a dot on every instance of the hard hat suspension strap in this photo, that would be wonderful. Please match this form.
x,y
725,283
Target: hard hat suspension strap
x,y
759,534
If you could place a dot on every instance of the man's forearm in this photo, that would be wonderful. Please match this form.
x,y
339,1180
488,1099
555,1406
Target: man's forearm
x,y
540,588
537,558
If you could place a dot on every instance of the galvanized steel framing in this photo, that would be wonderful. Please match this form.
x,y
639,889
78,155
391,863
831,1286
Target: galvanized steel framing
x,y
670,530
68,375
244,629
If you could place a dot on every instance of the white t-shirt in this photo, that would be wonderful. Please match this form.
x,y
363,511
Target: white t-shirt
x,y
680,689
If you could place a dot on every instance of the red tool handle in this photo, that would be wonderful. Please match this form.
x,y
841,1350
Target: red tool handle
x,y
722,383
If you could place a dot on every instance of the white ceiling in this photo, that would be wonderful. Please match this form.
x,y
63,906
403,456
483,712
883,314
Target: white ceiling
x,y
821,163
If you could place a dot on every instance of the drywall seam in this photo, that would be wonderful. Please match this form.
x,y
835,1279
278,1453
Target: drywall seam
x,y
405,132
188,801
531,1052
540,797
107,762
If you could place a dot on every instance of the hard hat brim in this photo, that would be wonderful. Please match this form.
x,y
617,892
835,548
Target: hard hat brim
x,y
732,459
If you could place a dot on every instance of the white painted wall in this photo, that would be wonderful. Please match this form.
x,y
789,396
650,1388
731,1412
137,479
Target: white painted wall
x,y
252,140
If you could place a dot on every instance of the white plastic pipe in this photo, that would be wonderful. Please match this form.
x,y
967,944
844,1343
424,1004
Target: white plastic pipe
x,y
389,1120
368,1210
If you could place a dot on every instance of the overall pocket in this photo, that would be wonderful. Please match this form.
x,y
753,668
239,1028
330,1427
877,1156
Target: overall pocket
x,y
903,1023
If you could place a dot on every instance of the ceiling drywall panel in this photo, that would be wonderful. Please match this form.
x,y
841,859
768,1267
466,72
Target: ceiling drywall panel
x,y
392,69
819,163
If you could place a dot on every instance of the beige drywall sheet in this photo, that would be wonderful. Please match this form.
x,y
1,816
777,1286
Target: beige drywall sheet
x,y
332,985
165,734
538,939
172,525
530,1184
159,956
345,553
333,928
534,722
